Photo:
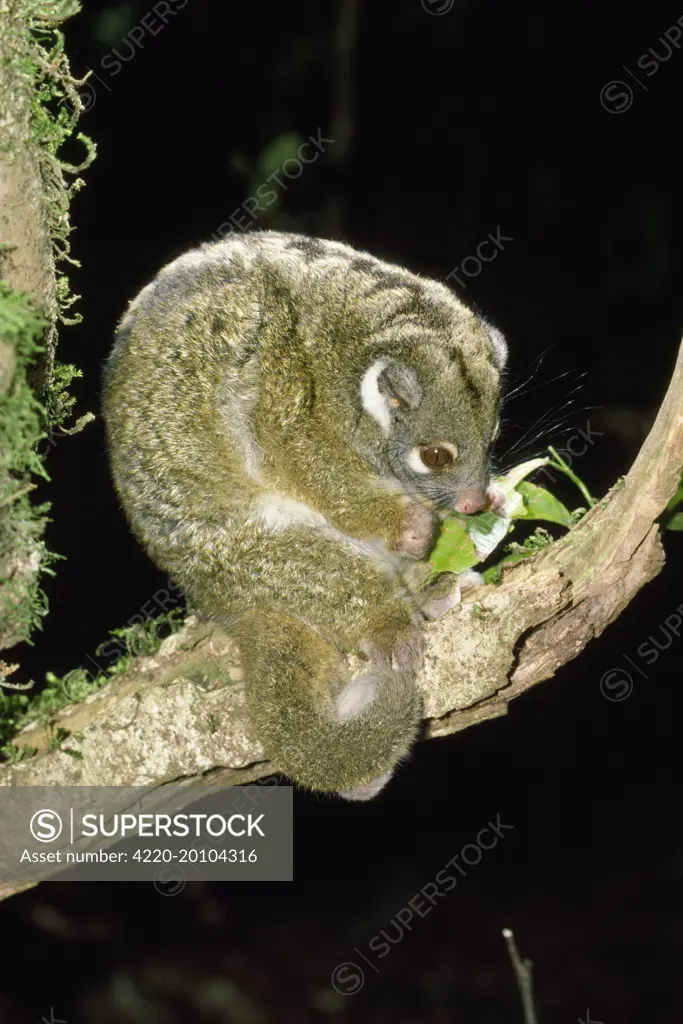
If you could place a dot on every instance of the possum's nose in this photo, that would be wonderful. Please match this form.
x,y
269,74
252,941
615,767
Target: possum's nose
x,y
471,500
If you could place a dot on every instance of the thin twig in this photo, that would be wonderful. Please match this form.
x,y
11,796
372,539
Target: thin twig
x,y
560,464
524,974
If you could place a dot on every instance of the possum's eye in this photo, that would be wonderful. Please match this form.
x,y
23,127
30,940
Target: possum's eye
x,y
437,457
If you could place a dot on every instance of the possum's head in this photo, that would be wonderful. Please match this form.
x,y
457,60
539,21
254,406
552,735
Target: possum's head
x,y
436,407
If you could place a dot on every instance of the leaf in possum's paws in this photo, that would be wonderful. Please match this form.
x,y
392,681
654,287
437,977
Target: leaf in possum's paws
x,y
467,540
487,531
454,551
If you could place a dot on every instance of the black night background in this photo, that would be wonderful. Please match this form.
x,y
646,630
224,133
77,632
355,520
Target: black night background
x,y
455,120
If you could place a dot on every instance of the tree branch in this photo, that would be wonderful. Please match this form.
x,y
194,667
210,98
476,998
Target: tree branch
x,y
181,714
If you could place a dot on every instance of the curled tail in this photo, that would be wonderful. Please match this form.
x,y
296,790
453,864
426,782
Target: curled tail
x,y
322,727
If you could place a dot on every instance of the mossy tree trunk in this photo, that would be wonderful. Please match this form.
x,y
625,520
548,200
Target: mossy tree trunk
x,y
39,107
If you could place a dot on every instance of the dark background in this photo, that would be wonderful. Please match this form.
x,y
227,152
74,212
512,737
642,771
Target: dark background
x,y
484,116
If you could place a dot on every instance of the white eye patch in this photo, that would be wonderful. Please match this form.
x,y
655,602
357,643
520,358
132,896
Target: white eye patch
x,y
414,462
373,401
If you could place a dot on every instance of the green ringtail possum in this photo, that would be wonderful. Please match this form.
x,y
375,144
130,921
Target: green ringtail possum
x,y
288,419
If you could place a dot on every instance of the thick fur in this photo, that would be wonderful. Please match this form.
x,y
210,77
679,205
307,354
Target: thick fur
x,y
265,402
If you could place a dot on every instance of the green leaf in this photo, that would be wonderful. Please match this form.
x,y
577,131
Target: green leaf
x,y
676,522
672,516
677,499
516,553
541,504
454,551
276,153
467,540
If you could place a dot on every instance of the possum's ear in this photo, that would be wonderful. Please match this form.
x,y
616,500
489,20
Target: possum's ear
x,y
499,348
388,385
400,384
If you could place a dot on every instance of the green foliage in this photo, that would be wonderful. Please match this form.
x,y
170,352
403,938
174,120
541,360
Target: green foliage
x,y
13,755
541,504
13,707
672,516
204,672
269,161
273,156
142,638
59,403
55,110
58,739
454,551
466,541
50,10
517,553
577,514
22,602
21,414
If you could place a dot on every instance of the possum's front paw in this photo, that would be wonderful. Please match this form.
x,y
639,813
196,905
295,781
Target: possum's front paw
x,y
445,594
407,653
496,500
417,530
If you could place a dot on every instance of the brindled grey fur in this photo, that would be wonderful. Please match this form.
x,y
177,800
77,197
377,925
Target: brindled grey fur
x,y
287,418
